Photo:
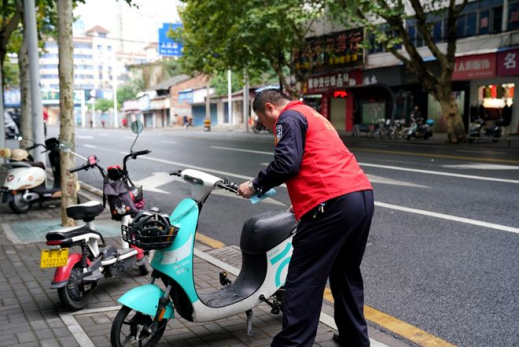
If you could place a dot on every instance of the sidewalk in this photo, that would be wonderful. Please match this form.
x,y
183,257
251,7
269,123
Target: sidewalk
x,y
32,315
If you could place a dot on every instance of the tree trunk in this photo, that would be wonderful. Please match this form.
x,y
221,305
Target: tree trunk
x,y
66,104
2,122
451,114
25,102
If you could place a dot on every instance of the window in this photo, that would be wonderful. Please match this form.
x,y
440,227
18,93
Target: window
x,y
108,48
99,47
101,34
50,56
484,22
83,45
45,76
513,16
497,19
470,29
461,25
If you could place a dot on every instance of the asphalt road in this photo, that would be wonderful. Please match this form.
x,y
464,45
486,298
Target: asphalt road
x,y
443,252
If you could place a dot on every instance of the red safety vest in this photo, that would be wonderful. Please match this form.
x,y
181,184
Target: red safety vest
x,y
328,169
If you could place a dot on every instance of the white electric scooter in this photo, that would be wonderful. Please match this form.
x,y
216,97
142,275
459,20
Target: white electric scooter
x,y
266,245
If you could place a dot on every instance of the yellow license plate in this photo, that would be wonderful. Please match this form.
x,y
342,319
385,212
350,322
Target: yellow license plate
x,y
54,257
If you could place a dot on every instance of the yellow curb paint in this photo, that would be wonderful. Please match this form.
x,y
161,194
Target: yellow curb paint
x,y
397,326
209,241
444,156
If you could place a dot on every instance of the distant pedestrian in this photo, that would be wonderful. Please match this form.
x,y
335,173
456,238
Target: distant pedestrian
x,y
103,123
125,122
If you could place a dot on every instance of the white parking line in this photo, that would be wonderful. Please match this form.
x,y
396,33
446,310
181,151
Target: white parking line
x,y
84,137
84,340
89,146
170,142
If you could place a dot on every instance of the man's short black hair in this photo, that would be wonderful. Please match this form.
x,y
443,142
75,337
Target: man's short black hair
x,y
274,96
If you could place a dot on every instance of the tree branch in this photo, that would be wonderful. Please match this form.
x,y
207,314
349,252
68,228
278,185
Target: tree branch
x,y
421,25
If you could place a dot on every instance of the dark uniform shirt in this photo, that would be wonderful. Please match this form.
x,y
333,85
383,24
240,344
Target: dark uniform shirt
x,y
290,135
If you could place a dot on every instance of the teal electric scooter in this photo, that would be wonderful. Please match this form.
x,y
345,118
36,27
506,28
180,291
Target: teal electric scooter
x,y
266,245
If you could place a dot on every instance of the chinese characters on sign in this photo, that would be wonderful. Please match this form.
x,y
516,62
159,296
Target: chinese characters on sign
x,y
474,67
507,63
324,83
166,45
337,50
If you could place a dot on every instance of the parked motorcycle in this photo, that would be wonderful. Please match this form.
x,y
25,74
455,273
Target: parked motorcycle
x,y
266,245
78,274
419,131
26,181
10,126
480,131
258,126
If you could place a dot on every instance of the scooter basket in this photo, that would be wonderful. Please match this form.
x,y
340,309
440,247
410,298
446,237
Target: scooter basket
x,y
149,238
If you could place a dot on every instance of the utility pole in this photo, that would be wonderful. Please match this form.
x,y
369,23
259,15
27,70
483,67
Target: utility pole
x,y
246,101
229,92
114,78
34,75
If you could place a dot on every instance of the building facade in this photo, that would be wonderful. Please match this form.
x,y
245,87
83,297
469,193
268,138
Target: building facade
x,y
363,86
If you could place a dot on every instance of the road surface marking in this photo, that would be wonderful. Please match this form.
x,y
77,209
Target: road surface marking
x,y
242,150
480,152
439,173
432,155
483,167
380,204
89,146
448,217
130,137
383,180
412,333
156,179
170,142
209,241
391,168
84,137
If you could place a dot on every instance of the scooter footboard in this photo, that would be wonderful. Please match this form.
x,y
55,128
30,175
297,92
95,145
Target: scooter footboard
x,y
145,299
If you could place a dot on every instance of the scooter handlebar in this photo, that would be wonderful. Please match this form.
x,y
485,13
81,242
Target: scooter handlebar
x,y
144,152
78,168
229,186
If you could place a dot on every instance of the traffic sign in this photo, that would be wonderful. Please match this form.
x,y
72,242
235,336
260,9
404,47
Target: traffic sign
x,y
168,46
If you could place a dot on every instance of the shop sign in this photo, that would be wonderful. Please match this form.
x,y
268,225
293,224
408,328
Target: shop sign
x,y
508,63
324,83
324,53
474,67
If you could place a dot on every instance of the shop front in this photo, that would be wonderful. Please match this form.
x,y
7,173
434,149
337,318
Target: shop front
x,y
329,95
493,78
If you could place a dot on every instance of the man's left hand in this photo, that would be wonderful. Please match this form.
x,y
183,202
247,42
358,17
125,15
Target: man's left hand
x,y
245,191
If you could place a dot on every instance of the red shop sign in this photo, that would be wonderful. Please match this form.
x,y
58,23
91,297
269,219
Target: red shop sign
x,y
474,67
331,81
508,63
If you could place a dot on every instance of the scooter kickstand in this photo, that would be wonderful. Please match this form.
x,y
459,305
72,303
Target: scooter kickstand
x,y
249,323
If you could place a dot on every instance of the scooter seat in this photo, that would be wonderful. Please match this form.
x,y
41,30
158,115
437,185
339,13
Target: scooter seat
x,y
86,211
38,164
69,233
263,232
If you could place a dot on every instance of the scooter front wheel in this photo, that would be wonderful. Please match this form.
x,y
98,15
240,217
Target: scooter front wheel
x,y
131,326
18,205
75,295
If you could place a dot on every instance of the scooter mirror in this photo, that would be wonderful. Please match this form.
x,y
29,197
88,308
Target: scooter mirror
x,y
137,127
64,147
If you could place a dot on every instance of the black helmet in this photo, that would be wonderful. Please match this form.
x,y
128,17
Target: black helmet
x,y
150,230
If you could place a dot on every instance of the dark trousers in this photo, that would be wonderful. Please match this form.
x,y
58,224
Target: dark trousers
x,y
330,245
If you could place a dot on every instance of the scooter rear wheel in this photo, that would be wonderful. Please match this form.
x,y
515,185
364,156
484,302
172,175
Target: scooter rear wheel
x,y
74,295
130,325
19,206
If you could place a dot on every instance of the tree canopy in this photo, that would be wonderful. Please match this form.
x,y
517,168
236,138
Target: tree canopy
x,y
247,35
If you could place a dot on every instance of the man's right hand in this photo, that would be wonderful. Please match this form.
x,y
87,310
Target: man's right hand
x,y
245,191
